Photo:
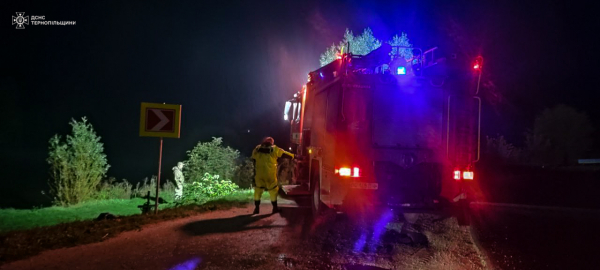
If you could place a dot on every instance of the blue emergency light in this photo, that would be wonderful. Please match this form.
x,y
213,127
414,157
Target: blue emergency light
x,y
401,70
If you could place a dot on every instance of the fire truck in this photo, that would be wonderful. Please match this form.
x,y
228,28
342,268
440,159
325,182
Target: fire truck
x,y
387,130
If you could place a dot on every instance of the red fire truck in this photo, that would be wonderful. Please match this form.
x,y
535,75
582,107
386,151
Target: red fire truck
x,y
388,130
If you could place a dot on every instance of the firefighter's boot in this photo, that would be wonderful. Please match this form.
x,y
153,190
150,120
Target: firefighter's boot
x,y
275,208
256,207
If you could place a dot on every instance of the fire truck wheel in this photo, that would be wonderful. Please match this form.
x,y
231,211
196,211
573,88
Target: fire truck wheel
x,y
463,213
316,204
316,200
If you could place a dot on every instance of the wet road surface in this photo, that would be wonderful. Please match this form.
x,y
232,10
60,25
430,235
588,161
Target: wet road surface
x,y
292,239
517,237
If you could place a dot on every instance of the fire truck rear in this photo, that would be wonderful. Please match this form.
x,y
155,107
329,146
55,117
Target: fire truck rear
x,y
384,130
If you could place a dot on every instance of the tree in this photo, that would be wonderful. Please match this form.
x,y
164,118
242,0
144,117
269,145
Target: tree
x,y
329,55
365,43
560,136
402,41
213,158
348,37
78,165
359,45
498,149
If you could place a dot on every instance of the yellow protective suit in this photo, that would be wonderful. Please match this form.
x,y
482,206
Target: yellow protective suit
x,y
266,170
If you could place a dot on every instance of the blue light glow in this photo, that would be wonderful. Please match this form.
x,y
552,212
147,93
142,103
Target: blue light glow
x,y
360,243
321,74
380,227
371,238
187,265
401,70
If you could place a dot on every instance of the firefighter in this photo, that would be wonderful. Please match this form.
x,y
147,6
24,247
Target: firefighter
x,y
178,180
265,163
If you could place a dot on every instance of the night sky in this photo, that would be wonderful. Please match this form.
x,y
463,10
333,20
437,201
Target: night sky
x,y
232,65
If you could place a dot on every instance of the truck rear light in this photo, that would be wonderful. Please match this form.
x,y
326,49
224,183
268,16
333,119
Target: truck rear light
x,y
456,175
468,175
345,171
351,172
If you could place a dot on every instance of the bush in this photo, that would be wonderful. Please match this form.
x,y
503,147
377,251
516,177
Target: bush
x,y
141,188
213,158
109,190
76,166
560,136
167,191
208,187
244,174
499,149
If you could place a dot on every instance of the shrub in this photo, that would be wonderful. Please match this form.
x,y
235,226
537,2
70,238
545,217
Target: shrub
x,y
560,136
167,191
499,149
141,188
109,190
244,174
76,166
210,157
207,188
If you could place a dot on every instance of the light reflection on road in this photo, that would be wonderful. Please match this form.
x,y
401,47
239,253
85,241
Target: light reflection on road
x,y
378,230
187,265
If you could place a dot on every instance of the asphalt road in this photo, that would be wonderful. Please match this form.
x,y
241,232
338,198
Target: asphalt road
x,y
292,239
522,237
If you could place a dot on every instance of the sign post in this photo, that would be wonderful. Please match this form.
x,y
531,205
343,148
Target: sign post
x,y
160,120
158,178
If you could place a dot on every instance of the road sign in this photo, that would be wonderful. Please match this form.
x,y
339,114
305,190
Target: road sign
x,y
160,120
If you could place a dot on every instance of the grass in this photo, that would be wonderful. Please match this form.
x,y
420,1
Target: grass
x,y
28,232
18,219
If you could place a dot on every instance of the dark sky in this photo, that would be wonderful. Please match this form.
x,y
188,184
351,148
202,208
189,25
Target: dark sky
x,y
232,64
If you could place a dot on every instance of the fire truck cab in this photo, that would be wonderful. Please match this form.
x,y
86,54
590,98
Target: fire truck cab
x,y
387,130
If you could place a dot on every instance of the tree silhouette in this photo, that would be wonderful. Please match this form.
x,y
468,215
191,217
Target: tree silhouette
x,y
560,136
359,45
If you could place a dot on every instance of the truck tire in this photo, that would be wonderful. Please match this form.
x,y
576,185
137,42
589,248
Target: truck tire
x,y
315,188
316,200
